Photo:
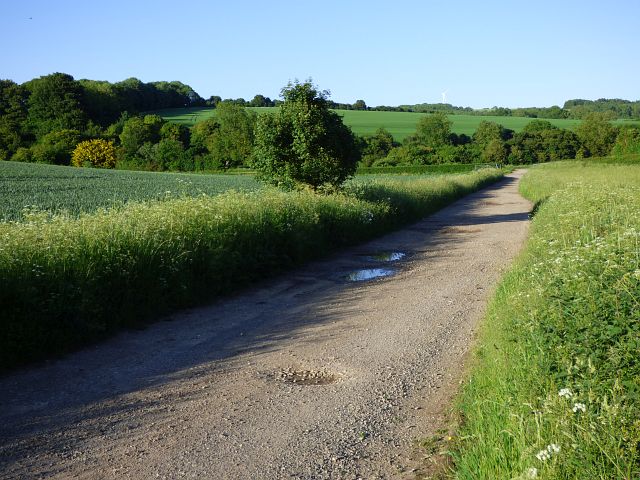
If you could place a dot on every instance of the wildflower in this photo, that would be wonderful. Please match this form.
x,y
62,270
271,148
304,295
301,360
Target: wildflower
x,y
532,472
565,392
553,448
543,455
546,453
579,406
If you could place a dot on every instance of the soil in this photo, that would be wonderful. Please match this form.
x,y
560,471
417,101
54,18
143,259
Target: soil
x,y
309,375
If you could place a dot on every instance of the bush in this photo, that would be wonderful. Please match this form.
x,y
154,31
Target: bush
x,y
22,155
304,142
56,147
95,153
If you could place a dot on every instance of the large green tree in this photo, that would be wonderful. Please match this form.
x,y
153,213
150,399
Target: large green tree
x,y
304,142
433,131
13,113
55,103
597,134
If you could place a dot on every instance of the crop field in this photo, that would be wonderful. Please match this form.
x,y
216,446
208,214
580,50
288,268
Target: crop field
x,y
59,189
399,124
65,280
555,388
30,188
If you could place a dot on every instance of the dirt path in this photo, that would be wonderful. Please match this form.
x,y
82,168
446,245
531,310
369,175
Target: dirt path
x,y
211,394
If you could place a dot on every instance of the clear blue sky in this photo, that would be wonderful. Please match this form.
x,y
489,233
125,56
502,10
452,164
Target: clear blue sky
x,y
484,53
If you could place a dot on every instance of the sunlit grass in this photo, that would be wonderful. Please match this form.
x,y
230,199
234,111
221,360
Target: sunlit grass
x,y
557,362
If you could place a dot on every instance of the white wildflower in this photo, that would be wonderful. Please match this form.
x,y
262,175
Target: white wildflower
x,y
579,406
546,453
543,455
565,392
532,472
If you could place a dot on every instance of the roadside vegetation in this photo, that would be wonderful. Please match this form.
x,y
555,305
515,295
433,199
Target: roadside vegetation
x,y
66,280
554,391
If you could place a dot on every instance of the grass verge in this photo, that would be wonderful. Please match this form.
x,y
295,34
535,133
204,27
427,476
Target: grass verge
x,y
554,392
66,281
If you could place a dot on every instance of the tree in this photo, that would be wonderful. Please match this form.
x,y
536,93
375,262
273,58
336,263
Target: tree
x,y
486,132
176,131
495,152
304,142
376,146
56,147
597,134
134,134
233,142
359,105
55,103
628,141
433,131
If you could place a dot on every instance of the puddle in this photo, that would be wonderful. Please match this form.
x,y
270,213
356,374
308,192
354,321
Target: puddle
x,y
388,256
369,274
307,377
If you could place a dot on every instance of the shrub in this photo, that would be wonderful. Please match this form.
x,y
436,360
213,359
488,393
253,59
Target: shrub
x,y
96,153
56,147
22,155
304,142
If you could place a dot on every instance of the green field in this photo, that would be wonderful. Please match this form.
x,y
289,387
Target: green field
x,y
399,124
28,188
59,189
555,388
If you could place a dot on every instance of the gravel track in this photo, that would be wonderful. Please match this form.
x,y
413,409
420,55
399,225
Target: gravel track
x,y
307,375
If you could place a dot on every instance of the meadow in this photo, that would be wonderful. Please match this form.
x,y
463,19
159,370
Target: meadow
x,y
399,124
554,390
66,280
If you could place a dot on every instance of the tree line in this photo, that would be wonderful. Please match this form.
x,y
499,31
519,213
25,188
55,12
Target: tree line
x,y
539,141
58,120
575,109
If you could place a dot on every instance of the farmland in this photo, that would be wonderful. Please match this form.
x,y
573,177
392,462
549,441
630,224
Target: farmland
x,y
59,189
399,124
554,391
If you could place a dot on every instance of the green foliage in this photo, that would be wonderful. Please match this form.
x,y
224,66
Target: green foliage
x,y
495,152
627,142
66,281
177,132
432,131
557,359
304,142
490,132
597,134
94,153
376,146
23,154
543,143
55,103
56,147
137,131
231,144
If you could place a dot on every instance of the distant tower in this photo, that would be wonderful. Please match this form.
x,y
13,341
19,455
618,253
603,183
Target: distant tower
x,y
444,96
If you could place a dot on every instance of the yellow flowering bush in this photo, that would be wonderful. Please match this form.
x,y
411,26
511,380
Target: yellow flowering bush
x,y
97,153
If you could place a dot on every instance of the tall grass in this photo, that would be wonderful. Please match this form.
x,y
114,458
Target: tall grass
x,y
68,280
554,392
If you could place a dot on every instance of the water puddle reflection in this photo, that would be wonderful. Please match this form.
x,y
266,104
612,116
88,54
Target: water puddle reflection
x,y
369,274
